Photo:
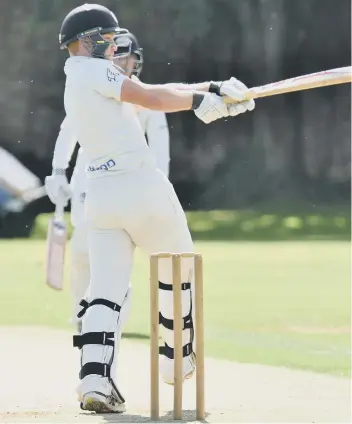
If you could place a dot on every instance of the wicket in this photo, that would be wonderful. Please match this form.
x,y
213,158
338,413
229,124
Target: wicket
x,y
178,324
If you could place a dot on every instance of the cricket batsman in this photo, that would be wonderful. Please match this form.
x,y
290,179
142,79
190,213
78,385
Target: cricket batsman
x,y
130,202
154,124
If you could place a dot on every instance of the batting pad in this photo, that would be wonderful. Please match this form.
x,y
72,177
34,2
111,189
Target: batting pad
x,y
167,312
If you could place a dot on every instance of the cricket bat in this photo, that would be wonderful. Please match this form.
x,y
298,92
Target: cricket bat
x,y
303,82
56,244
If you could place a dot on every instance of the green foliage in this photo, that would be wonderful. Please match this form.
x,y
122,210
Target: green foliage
x,y
297,145
252,225
257,225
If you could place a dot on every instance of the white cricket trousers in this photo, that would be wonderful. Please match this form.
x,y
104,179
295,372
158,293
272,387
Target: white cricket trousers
x,y
139,209
123,211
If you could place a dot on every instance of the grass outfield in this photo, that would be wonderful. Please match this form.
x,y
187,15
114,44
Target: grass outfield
x,y
276,303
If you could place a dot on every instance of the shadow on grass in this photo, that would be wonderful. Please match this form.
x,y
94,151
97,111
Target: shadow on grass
x,y
135,336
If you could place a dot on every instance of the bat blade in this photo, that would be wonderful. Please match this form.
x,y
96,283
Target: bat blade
x,y
56,245
302,82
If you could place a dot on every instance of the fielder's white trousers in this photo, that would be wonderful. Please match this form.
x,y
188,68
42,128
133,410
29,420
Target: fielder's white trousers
x,y
79,269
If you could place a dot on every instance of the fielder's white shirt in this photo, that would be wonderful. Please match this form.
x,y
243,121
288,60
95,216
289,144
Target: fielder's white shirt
x,y
155,127
64,146
107,129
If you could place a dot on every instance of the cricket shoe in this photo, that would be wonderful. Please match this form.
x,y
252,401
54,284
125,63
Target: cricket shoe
x,y
101,404
100,395
167,368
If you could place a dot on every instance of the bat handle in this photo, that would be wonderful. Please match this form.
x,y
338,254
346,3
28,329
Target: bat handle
x,y
248,95
59,209
229,100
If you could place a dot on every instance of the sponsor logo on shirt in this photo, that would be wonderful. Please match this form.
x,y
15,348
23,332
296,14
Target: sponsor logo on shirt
x,y
112,76
103,167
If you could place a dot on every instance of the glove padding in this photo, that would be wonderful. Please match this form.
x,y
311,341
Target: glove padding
x,y
211,108
57,187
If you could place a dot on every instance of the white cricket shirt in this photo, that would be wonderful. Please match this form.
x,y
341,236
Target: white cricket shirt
x,y
107,129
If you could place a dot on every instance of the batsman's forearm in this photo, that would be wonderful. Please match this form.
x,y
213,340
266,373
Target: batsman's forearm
x,y
202,86
169,100
159,97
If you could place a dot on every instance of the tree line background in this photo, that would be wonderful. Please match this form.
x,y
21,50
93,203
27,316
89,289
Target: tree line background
x,y
293,147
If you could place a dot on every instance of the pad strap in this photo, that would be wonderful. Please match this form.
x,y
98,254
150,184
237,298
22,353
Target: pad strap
x,y
85,305
96,338
104,370
168,287
169,323
168,351
100,369
95,368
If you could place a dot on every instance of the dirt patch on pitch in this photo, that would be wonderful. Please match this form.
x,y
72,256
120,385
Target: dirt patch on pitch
x,y
39,373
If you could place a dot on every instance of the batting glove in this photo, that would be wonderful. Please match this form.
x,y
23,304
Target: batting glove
x,y
234,89
209,107
57,187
